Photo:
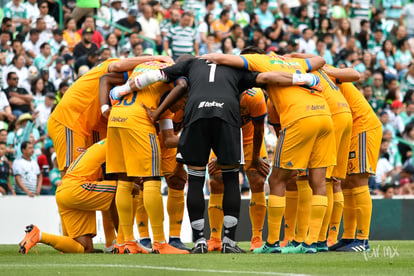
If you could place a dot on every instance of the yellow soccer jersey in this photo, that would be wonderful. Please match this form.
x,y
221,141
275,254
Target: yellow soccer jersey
x,y
79,109
292,102
128,112
333,96
363,116
87,167
272,115
252,107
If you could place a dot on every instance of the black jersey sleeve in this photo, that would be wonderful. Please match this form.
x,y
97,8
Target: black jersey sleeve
x,y
247,80
179,69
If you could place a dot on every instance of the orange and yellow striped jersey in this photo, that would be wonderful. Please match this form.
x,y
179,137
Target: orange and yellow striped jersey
x,y
87,167
333,96
252,107
292,102
80,108
128,112
363,116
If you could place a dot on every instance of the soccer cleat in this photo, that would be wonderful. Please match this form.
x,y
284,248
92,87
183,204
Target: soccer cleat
x,y
330,242
165,248
355,246
146,244
132,247
200,248
214,244
268,248
177,243
118,248
322,246
97,251
339,244
108,249
31,239
228,248
284,243
291,248
256,242
307,249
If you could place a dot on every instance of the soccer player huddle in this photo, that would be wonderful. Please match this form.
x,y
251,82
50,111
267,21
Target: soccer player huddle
x,y
155,116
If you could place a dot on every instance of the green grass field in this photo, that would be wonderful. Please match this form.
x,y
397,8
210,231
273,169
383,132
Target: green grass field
x,y
385,258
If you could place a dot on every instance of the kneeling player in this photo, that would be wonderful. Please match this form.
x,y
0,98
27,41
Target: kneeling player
x,y
78,199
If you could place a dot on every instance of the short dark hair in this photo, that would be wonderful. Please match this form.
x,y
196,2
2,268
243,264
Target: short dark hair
x,y
1,142
5,20
9,74
34,31
43,45
23,146
3,129
401,42
252,50
63,84
224,12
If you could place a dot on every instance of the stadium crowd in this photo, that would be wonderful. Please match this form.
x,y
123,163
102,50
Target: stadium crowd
x,y
40,59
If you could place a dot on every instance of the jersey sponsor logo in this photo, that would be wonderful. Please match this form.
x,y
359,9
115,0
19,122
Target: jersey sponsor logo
x,y
289,164
210,104
315,107
119,119
352,155
80,149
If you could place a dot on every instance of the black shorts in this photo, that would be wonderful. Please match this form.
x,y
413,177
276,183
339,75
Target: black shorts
x,y
197,140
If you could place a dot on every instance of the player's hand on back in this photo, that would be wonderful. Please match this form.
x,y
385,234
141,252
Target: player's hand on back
x,y
151,114
212,166
166,59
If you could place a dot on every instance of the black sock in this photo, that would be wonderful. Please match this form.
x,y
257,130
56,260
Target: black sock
x,y
195,202
231,202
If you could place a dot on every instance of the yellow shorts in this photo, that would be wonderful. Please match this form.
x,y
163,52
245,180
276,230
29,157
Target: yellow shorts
x,y
168,161
343,132
67,143
307,143
133,151
248,154
364,151
78,205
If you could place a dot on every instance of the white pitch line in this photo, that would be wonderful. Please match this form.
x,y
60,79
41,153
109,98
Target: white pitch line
x,y
168,268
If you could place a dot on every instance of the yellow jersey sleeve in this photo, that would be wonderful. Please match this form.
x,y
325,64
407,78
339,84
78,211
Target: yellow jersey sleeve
x,y
255,102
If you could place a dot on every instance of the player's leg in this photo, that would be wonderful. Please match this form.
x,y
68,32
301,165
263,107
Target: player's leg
x,y
141,217
109,230
227,146
338,206
175,203
194,149
215,211
290,210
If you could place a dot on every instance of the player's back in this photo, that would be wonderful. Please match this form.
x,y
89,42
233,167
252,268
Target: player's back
x,y
292,102
252,107
333,96
87,167
79,109
129,112
363,116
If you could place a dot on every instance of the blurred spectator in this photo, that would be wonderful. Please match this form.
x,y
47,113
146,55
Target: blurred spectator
x,y
275,32
358,10
388,191
97,37
384,167
27,173
86,45
89,60
407,115
377,21
5,109
378,88
105,54
407,14
56,72
44,34
17,11
150,29
367,92
32,45
266,18
63,87
49,20
116,10
395,119
37,90
375,45
393,8
252,27
405,150
7,25
129,22
57,41
172,21
182,39
133,40
44,109
407,82
84,8
48,84
5,39
43,160
104,12
70,35
306,42
54,175
45,59
241,17
112,45
344,33
137,49
222,26
19,98
5,184
403,57
386,61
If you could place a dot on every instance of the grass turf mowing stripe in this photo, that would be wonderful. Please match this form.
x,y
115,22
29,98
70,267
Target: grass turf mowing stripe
x,y
168,268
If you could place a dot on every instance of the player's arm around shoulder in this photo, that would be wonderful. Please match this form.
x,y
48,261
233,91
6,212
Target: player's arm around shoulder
x,y
343,75
225,59
129,64
313,62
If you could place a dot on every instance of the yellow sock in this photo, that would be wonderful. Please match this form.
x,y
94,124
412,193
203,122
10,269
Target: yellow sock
x,y
175,209
363,205
290,214
338,206
109,228
141,217
123,199
120,236
155,209
318,209
349,219
257,212
328,213
62,243
215,215
303,209
275,211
